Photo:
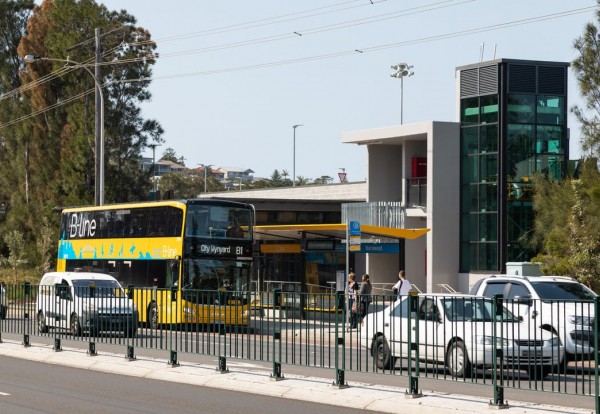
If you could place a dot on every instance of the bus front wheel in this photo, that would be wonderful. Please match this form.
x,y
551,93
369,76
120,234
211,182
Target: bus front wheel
x,y
152,320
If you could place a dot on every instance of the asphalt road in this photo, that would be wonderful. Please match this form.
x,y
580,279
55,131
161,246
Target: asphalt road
x,y
28,387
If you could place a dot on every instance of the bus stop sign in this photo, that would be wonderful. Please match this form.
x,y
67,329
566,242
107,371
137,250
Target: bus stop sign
x,y
354,236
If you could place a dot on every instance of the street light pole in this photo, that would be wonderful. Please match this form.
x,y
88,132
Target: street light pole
x,y
206,167
99,183
153,146
294,154
402,70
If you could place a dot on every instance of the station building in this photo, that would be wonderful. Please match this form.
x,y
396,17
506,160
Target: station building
x,y
467,182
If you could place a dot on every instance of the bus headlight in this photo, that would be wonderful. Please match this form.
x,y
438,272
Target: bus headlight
x,y
189,311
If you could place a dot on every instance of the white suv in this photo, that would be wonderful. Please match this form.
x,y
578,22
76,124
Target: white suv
x,y
80,301
559,304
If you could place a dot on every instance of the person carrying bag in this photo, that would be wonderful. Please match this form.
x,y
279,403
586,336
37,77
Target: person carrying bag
x,y
364,295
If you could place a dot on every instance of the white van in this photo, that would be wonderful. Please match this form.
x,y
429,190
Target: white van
x,y
84,302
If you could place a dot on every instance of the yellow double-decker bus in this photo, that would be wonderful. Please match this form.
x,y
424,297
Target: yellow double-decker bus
x,y
185,262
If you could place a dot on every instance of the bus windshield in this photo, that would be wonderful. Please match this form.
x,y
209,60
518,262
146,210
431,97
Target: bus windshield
x,y
213,276
214,221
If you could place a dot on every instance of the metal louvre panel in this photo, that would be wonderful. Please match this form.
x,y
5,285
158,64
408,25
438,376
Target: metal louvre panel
x,y
488,80
551,80
522,78
469,80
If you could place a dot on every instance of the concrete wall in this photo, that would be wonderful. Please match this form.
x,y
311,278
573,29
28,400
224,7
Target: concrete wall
x,y
431,260
443,204
385,166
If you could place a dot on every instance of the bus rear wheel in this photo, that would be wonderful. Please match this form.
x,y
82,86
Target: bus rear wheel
x,y
152,318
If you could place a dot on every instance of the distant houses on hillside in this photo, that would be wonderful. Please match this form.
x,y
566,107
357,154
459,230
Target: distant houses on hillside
x,y
230,177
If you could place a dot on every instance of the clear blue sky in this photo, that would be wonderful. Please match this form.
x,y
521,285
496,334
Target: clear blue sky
x,y
216,110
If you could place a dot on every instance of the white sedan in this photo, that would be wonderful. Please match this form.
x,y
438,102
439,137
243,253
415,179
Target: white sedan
x,y
461,332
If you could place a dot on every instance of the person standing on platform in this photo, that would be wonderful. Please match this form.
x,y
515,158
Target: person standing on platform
x,y
351,292
403,286
364,295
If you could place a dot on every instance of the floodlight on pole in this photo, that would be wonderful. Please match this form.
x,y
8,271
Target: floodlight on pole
x,y
403,70
294,155
99,183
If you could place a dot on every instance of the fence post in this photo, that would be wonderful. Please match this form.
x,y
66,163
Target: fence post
x,y
413,380
130,354
172,352
91,338
340,340
26,322
277,305
3,306
497,312
596,359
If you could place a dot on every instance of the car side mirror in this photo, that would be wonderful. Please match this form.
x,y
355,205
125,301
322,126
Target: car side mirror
x,y
523,300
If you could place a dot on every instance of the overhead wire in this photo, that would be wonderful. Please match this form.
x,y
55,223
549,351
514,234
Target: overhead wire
x,y
273,20
379,47
499,26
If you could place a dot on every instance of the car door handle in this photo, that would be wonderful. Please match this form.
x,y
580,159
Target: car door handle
x,y
386,324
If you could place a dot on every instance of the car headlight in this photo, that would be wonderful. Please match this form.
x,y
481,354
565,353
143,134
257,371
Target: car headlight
x,y
581,320
554,341
489,341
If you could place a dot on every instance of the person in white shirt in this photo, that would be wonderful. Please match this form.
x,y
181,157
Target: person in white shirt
x,y
402,287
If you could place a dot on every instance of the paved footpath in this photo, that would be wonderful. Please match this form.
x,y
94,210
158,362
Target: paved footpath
x,y
372,397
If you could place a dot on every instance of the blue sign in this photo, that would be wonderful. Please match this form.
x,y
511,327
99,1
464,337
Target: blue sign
x,y
380,248
354,228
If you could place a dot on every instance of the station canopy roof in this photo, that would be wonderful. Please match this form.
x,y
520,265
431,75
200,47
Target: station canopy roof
x,y
332,231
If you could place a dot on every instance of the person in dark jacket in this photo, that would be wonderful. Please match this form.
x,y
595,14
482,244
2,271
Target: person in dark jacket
x,y
364,295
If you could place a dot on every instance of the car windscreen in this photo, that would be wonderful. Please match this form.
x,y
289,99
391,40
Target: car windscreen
x,y
102,288
557,290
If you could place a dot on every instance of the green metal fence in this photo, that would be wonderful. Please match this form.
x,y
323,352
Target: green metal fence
x,y
444,337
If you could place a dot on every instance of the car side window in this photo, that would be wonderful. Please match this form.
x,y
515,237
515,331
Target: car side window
x,y
63,290
401,310
517,289
492,289
429,311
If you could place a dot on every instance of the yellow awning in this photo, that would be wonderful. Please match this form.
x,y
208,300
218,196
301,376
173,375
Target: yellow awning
x,y
337,231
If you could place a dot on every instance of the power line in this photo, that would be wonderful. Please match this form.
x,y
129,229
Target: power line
x,y
333,54
252,24
378,47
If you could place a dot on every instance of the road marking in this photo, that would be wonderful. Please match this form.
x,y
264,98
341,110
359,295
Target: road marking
x,y
3,393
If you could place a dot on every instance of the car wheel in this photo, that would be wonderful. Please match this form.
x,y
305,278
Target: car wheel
x,y
152,320
457,360
539,373
41,320
382,354
75,326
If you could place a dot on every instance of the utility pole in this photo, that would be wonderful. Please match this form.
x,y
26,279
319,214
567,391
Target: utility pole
x,y
99,137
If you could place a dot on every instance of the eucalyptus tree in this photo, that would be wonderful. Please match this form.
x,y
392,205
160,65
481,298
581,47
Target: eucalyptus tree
x,y
13,21
61,147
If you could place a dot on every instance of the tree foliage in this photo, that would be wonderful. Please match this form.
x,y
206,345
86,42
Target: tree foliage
x,y
170,155
567,224
16,247
48,158
187,184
